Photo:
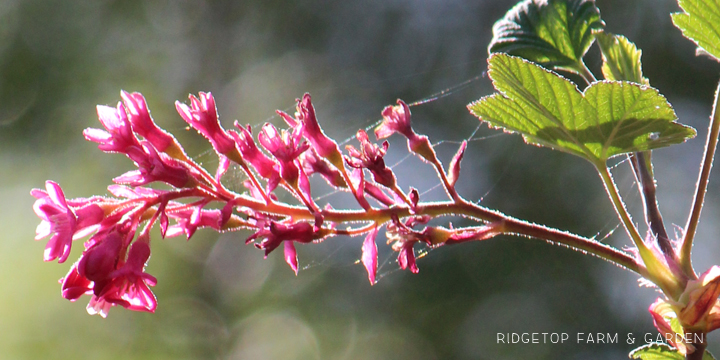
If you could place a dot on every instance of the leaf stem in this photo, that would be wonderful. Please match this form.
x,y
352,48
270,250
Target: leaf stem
x,y
701,188
642,167
620,209
586,74
657,271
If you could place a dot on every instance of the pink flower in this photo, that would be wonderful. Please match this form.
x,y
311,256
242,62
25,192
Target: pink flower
x,y
250,152
119,136
112,279
370,157
406,256
129,285
275,233
404,238
305,115
144,125
397,119
154,166
369,254
285,147
100,259
190,219
75,285
272,234
702,311
202,116
58,218
312,163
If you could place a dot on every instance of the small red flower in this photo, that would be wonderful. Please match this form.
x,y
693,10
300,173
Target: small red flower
x,y
370,157
312,163
202,116
100,259
272,234
265,166
154,166
191,219
397,119
403,238
285,147
75,285
144,125
119,136
306,120
129,285
59,219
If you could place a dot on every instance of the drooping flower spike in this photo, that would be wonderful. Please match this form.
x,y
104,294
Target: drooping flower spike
x,y
111,270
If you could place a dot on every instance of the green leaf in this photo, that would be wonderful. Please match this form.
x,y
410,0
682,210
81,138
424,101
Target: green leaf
x,y
659,351
656,351
621,58
555,33
608,119
700,23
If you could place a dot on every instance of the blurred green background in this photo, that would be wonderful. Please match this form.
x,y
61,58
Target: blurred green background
x,y
218,299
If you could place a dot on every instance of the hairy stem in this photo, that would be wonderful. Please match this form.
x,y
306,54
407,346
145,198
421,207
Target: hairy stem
x,y
462,208
449,189
642,167
701,188
620,209
657,271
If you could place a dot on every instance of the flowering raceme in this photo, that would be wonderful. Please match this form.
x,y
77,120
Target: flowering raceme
x,y
111,269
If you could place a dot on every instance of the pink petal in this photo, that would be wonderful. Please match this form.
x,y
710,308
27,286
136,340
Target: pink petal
x,y
369,255
55,193
43,229
97,135
291,256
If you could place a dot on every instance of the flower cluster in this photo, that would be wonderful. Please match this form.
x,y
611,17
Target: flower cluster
x,y
111,269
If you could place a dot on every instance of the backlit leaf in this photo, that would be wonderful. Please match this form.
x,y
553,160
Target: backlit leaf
x,y
554,33
659,351
621,58
701,23
608,119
